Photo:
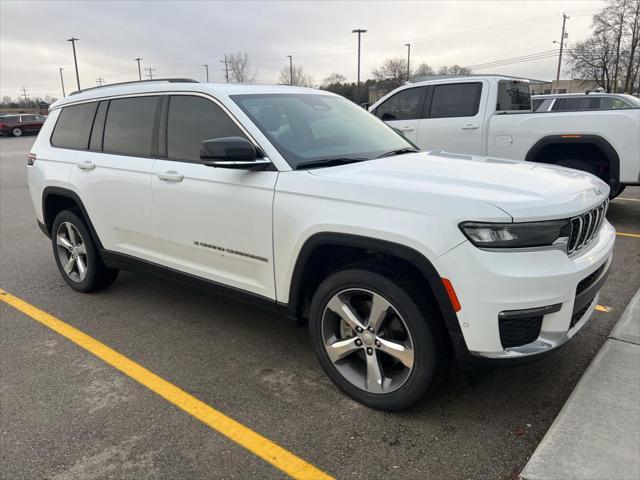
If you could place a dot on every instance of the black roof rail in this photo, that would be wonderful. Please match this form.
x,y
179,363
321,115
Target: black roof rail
x,y
169,80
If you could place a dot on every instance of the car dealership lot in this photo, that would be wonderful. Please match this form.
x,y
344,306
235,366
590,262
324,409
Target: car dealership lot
x,y
66,414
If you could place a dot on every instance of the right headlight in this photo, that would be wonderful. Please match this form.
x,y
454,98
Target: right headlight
x,y
516,235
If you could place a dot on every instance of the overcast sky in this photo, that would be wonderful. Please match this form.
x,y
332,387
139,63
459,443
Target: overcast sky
x,y
176,38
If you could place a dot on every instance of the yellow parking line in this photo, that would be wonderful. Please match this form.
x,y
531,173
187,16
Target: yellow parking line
x,y
264,448
632,235
603,308
628,199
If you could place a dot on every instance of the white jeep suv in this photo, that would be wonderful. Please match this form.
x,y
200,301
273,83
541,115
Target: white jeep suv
x,y
302,202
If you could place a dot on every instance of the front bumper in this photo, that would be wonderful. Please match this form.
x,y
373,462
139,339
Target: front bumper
x,y
562,290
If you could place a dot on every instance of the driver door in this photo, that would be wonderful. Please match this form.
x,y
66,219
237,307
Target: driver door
x,y
403,111
214,223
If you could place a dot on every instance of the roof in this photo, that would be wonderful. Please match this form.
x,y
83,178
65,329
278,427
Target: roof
x,y
590,94
152,86
477,76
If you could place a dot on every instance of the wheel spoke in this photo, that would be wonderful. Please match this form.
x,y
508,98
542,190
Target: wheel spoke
x,y
82,268
374,374
82,249
379,308
63,242
397,351
71,233
68,267
344,311
342,348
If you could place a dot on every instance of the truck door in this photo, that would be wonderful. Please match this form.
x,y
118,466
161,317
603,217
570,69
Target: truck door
x,y
403,111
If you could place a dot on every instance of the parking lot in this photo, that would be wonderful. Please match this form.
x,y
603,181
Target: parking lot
x,y
67,414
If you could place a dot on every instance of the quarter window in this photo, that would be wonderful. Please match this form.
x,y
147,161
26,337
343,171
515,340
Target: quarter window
x,y
404,105
128,129
193,119
456,100
73,126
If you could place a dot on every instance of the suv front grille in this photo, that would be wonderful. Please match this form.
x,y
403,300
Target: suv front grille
x,y
585,227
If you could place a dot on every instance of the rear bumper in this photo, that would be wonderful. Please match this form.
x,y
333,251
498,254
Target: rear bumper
x,y
547,291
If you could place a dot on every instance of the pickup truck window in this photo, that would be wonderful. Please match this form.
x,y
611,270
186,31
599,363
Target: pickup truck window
x,y
456,100
312,127
513,95
404,105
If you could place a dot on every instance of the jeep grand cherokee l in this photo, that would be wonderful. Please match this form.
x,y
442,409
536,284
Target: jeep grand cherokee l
x,y
301,201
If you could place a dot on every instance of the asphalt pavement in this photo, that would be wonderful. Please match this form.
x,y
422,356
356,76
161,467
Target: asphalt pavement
x,y
64,414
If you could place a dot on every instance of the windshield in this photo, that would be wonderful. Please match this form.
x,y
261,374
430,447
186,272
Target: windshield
x,y
311,128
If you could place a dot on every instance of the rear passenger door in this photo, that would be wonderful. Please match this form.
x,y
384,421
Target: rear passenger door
x,y
453,118
215,223
113,171
403,111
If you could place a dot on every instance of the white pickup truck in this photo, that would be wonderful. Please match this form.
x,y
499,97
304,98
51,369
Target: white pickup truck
x,y
491,115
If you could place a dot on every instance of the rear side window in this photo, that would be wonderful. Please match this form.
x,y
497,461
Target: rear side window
x,y
456,100
193,119
577,103
404,105
73,126
128,129
513,95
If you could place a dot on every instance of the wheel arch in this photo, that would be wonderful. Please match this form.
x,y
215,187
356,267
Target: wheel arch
x,y
56,199
594,141
372,246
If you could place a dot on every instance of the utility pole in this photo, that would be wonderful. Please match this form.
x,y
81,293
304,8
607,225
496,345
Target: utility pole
x,y
73,41
206,67
408,45
226,68
290,69
359,31
25,95
100,81
150,74
562,37
139,71
62,82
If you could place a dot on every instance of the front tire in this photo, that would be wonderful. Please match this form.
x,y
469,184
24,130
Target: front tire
x,y
376,337
76,254
17,132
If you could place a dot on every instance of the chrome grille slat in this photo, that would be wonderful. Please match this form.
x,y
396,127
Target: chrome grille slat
x,y
585,227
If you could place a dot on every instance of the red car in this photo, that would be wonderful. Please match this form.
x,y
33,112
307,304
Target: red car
x,y
17,125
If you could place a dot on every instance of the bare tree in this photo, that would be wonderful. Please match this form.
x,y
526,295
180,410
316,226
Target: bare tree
x,y
333,79
632,54
299,79
454,70
240,70
423,70
392,71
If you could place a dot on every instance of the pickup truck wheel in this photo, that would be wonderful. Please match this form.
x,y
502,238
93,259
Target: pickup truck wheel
x,y
375,338
76,255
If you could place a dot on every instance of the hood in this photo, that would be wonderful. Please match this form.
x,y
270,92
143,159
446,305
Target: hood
x,y
526,191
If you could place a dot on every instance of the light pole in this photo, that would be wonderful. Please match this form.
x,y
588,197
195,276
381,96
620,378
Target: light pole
x,y
206,67
139,70
73,41
359,31
562,37
62,82
408,45
290,70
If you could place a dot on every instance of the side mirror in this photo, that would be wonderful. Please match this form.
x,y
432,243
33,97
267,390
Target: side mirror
x,y
231,152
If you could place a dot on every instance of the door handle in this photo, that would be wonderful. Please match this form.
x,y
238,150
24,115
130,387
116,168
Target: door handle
x,y
88,165
170,176
470,126
407,129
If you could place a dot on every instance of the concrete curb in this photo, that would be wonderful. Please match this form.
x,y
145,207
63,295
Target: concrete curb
x,y
596,435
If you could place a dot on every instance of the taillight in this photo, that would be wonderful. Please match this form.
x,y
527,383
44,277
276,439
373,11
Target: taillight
x,y
31,159
2,125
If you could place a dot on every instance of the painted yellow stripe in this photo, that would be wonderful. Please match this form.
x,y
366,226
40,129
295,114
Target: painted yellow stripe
x,y
628,199
264,448
603,308
632,235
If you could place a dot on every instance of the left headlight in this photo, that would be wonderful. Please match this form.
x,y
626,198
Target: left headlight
x,y
517,235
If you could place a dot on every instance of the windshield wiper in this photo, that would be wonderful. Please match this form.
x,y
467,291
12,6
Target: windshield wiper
x,y
398,151
330,162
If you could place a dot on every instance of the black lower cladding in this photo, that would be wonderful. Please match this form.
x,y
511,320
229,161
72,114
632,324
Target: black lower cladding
x,y
517,331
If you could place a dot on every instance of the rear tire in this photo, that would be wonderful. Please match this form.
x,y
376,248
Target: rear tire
x,y
17,132
408,321
76,254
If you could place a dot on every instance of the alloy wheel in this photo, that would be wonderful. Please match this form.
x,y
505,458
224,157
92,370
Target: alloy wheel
x,y
72,251
367,341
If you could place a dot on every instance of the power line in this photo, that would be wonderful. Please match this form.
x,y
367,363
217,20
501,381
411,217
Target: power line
x,y
226,68
100,81
519,59
150,74
25,94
